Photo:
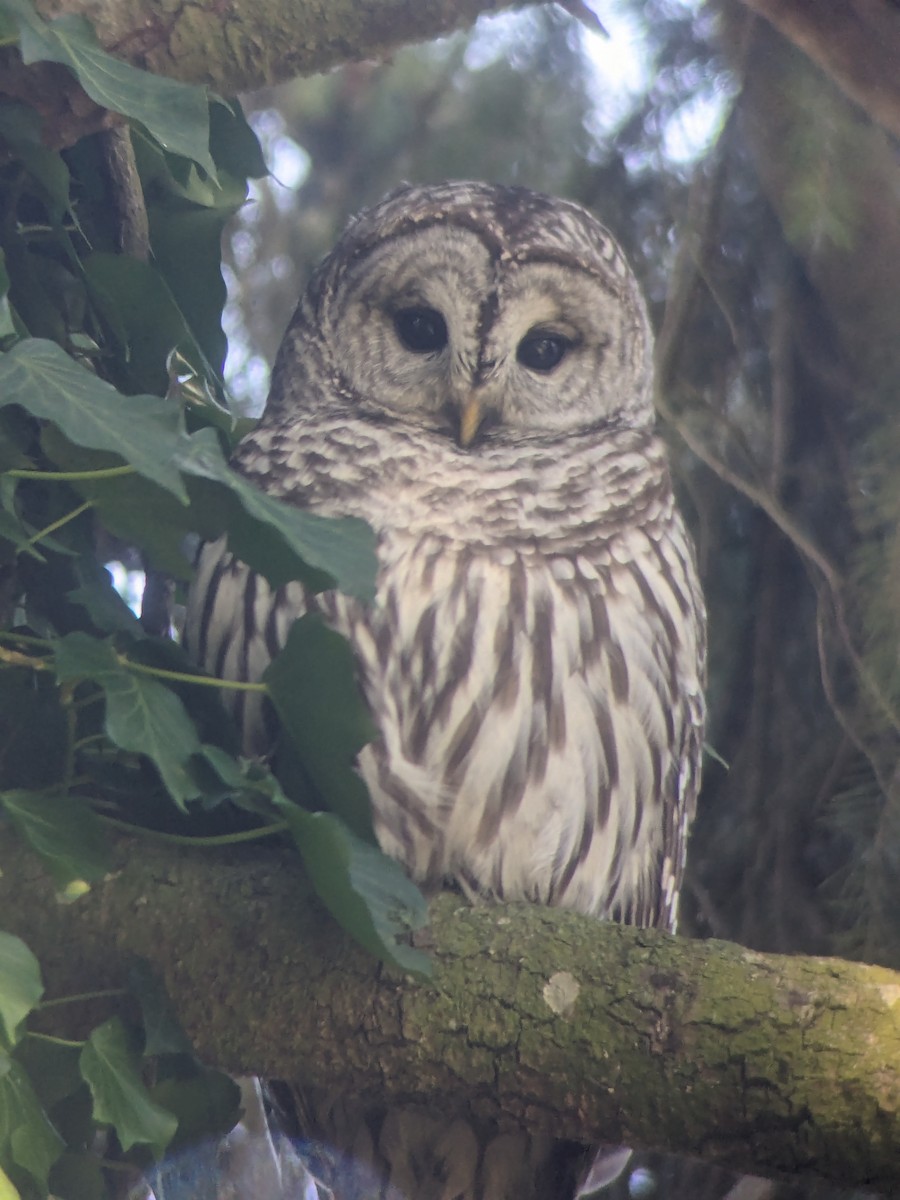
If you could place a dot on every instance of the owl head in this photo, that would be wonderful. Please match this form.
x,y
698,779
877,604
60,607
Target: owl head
x,y
479,312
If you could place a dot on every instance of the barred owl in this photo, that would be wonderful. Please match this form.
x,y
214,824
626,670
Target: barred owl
x,y
469,370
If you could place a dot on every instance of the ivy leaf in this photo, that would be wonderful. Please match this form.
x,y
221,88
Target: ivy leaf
x,y
187,248
137,301
142,715
21,986
111,1070
144,430
235,146
100,600
130,507
27,1138
312,683
63,831
206,1102
162,1031
278,540
7,1191
52,1067
78,1177
176,114
12,531
368,893
15,445
20,127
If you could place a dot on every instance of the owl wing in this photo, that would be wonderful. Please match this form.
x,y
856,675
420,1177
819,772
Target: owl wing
x,y
235,625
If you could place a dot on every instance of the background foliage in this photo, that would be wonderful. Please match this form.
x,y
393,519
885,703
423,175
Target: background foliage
x,y
767,252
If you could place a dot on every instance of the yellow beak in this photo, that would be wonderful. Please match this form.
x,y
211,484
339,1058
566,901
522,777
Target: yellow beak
x,y
469,420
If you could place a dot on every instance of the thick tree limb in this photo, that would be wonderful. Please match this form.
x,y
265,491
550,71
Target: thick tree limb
x,y
538,1017
248,44
857,42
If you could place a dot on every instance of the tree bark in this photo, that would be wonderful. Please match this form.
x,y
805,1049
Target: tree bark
x,y
832,178
539,1018
249,44
856,42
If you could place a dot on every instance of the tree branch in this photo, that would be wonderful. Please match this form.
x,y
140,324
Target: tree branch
x,y
856,42
248,44
537,1017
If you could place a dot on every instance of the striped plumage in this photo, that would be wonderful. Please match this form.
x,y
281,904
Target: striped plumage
x,y
534,656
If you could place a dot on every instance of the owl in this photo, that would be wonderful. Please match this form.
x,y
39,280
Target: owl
x,y
470,371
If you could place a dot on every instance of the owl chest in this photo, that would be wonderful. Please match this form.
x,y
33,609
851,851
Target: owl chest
x,y
525,705
502,627
466,627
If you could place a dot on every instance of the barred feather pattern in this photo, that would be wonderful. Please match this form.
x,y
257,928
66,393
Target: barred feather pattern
x,y
534,655
533,668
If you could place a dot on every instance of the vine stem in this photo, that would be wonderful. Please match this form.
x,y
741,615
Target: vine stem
x,y
184,677
178,839
63,520
25,638
57,1041
73,476
105,994
89,740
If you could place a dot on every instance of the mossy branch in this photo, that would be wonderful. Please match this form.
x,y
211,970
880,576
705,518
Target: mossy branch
x,y
537,1017
254,43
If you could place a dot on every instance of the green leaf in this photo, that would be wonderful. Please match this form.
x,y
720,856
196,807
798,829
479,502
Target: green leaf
x,y
138,304
234,145
278,540
206,1102
142,715
312,683
27,1138
78,1177
176,114
52,1068
368,893
162,1031
247,783
103,604
112,1071
130,507
204,704
144,430
63,830
7,1191
20,128
16,437
12,531
187,251
21,986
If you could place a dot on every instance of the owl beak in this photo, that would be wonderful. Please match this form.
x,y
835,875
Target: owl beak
x,y
470,418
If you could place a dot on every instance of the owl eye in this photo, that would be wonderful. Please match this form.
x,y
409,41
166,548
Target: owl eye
x,y
542,351
421,330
